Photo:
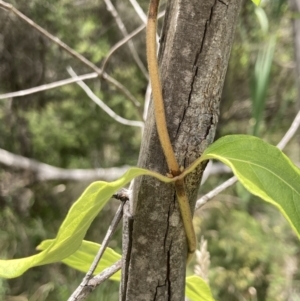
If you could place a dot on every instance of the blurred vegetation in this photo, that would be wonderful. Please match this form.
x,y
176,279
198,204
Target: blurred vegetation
x,y
254,254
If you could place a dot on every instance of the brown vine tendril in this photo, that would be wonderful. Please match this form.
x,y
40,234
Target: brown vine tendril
x,y
162,130
159,109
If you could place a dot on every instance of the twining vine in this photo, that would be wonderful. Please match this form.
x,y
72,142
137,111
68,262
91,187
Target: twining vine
x,y
161,125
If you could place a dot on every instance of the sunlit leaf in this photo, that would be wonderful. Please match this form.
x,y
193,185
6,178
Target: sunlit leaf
x,y
256,2
196,289
262,18
263,169
83,257
75,225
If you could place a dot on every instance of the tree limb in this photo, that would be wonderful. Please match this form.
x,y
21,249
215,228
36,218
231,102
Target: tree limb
x,y
102,105
113,11
46,172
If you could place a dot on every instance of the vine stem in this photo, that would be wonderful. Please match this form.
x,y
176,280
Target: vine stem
x,y
187,218
159,109
161,125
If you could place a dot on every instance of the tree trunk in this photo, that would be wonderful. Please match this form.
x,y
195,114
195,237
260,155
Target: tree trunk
x,y
195,46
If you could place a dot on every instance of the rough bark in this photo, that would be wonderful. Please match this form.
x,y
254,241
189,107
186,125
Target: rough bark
x,y
195,46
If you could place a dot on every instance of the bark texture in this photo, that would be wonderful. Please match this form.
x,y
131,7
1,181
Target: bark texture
x,y
195,46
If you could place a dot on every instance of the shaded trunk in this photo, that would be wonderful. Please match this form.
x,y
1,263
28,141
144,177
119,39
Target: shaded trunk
x,y
195,45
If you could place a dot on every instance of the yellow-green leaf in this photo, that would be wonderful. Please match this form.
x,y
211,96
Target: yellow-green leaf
x,y
256,2
75,225
83,257
196,289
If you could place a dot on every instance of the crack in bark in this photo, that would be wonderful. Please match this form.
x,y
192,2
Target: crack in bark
x,y
203,39
167,280
223,2
168,223
211,123
212,12
168,272
155,294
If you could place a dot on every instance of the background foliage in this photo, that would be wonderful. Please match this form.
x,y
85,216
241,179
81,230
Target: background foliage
x,y
254,254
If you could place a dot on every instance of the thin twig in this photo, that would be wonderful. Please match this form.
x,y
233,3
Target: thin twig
x,y
49,86
109,233
71,51
56,85
124,41
102,105
204,199
98,279
142,15
147,101
121,43
139,11
113,11
281,145
290,133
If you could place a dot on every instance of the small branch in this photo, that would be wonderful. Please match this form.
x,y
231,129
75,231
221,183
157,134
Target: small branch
x,y
113,11
121,43
49,86
147,101
204,199
63,83
50,36
139,11
123,195
290,133
102,105
281,145
71,51
46,172
124,41
111,230
98,279
142,15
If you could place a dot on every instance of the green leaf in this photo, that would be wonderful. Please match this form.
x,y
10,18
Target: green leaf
x,y
263,169
256,2
82,258
75,225
196,289
260,82
262,19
